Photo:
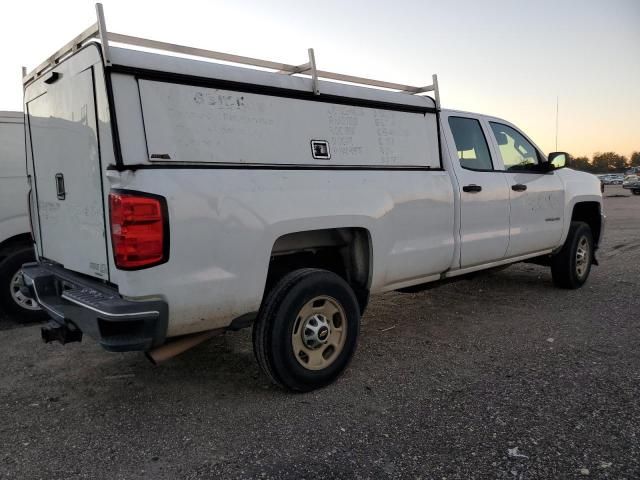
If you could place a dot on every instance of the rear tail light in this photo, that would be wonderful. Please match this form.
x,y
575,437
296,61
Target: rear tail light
x,y
139,230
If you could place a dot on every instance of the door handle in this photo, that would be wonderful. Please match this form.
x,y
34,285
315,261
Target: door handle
x,y
518,187
472,188
60,191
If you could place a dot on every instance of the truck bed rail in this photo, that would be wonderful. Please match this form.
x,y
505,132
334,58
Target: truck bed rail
x,y
99,30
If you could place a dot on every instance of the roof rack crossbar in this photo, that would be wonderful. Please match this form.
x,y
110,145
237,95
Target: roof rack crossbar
x,y
99,30
314,71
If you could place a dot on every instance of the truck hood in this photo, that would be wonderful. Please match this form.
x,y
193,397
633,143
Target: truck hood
x,y
582,183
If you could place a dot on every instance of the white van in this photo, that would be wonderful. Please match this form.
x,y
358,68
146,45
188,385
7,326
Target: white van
x,y
16,245
177,198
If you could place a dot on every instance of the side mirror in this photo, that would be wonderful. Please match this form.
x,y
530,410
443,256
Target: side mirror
x,y
557,160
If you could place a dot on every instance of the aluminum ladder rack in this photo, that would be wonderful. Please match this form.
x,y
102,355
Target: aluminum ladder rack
x,y
99,30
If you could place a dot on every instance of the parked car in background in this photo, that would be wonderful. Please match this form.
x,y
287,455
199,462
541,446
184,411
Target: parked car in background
x,y
632,182
16,245
617,179
611,179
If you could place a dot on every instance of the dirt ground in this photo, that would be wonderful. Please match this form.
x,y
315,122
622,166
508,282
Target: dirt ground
x,y
501,376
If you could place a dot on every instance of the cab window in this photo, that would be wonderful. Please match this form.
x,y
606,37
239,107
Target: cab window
x,y
517,152
471,144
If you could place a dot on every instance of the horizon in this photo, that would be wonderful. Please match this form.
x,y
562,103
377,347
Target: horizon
x,y
590,61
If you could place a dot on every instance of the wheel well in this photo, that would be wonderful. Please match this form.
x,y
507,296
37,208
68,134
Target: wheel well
x,y
23,239
344,251
589,212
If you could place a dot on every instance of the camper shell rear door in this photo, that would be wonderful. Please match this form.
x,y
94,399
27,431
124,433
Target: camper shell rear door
x,y
64,161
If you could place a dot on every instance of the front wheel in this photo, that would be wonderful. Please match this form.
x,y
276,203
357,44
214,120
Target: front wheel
x,y
570,267
636,192
307,329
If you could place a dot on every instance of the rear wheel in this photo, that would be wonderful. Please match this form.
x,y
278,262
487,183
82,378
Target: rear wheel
x,y
636,192
18,305
570,267
307,329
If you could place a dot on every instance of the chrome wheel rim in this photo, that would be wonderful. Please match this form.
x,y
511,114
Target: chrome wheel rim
x,y
319,333
583,257
20,298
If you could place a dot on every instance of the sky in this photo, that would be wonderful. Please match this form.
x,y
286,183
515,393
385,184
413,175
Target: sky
x,y
508,58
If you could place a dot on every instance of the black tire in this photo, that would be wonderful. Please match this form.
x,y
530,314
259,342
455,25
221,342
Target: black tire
x,y
566,269
636,192
273,331
11,265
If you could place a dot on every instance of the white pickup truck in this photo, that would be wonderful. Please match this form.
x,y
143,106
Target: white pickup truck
x,y
175,198
16,244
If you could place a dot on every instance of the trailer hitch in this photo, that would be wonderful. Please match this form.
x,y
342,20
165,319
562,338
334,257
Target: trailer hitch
x,y
54,332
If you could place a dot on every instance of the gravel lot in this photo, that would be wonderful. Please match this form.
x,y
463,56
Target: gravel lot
x,y
500,376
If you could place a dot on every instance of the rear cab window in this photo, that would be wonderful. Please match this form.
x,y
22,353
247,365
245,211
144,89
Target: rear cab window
x,y
471,144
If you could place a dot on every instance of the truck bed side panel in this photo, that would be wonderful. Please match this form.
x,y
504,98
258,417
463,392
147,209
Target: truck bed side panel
x,y
224,223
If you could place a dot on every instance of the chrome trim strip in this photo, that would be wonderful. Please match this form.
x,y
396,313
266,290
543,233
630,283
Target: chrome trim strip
x,y
112,315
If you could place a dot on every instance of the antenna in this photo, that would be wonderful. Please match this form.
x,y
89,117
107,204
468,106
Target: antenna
x,y
557,108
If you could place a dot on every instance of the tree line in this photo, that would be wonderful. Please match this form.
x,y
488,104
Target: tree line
x,y
607,162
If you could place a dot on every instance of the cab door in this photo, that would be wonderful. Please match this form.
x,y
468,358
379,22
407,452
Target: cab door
x,y
484,194
536,197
